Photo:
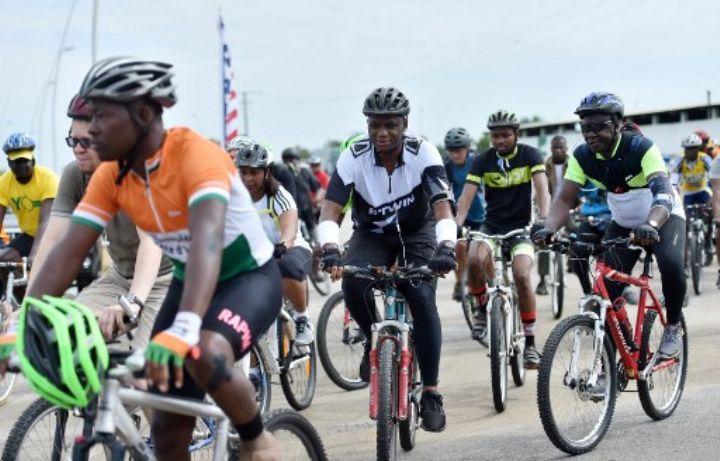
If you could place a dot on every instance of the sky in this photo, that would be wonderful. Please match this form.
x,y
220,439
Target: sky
x,y
308,65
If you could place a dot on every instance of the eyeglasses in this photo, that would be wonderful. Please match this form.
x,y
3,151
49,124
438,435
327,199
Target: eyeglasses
x,y
595,127
72,142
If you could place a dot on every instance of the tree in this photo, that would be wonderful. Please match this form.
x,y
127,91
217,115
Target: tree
x,y
483,143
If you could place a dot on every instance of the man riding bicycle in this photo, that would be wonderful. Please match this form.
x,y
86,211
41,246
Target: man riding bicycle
x,y
631,169
396,181
184,191
459,148
507,170
138,271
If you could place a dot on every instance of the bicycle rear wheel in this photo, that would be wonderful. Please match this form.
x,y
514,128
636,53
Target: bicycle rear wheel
x,y
297,437
260,376
469,304
298,371
558,284
340,343
498,354
574,418
387,395
660,393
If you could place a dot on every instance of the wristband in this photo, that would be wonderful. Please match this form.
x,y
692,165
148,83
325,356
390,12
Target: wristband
x,y
446,229
328,232
187,326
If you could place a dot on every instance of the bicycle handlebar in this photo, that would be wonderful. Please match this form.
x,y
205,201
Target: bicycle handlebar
x,y
595,248
482,235
380,273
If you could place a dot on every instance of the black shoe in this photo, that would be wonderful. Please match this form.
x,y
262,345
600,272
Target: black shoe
x,y
541,289
365,367
479,329
457,292
431,412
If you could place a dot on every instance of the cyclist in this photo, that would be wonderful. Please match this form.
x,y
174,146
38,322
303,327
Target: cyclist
x,y
707,147
509,170
631,169
323,179
690,176
184,191
28,190
458,146
138,270
277,170
305,185
395,180
278,214
555,167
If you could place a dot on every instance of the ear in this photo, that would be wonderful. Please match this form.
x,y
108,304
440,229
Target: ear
x,y
146,113
405,123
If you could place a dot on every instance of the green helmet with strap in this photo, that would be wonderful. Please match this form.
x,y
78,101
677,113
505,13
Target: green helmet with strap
x,y
61,350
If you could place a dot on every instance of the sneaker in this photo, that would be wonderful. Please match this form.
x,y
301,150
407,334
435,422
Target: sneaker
x,y
364,371
304,334
457,292
671,341
532,358
479,329
597,392
431,411
541,288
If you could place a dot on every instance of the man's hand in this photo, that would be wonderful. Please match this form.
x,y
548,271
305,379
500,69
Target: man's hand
x,y
112,321
542,237
536,226
443,260
280,250
645,235
331,261
174,343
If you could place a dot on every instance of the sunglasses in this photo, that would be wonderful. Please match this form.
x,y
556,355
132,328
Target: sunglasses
x,y
72,142
595,127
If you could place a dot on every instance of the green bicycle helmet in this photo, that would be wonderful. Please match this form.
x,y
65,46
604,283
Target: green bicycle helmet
x,y
61,350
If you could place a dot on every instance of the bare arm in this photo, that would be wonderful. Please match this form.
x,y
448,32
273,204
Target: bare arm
x,y
2,216
45,209
63,261
560,209
288,227
466,198
55,230
331,211
147,265
540,183
442,210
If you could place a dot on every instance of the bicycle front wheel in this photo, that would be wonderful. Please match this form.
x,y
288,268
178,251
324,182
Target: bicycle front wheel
x,y
408,428
498,354
574,416
297,437
340,343
660,393
387,394
298,372
558,285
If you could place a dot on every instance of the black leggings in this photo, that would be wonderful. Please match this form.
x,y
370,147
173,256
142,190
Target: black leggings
x,y
383,250
669,256
580,258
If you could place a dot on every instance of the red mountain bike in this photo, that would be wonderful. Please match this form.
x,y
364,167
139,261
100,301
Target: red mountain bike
x,y
578,378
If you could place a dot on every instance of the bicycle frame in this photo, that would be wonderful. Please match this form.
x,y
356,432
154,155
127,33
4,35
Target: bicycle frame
x,y
12,282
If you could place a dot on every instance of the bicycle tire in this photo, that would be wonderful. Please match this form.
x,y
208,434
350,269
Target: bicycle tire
x,y
263,386
407,429
386,401
646,388
296,424
517,360
558,285
498,354
696,263
351,344
469,303
304,376
321,281
547,387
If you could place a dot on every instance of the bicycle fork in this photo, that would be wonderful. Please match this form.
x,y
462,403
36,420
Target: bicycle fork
x,y
403,370
572,376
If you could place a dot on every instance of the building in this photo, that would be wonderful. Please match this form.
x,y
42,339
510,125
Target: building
x,y
665,127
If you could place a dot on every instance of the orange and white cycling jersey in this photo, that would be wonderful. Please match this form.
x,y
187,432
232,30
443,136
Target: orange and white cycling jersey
x,y
187,170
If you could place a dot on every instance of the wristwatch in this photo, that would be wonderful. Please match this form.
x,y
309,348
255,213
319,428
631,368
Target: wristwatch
x,y
654,224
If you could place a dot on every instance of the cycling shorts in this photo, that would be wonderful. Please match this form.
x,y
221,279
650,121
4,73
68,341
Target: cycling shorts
x,y
242,309
23,243
519,245
295,263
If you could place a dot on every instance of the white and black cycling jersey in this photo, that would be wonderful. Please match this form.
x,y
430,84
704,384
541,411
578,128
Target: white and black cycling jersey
x,y
382,201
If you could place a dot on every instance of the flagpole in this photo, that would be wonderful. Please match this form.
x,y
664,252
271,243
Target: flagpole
x,y
222,79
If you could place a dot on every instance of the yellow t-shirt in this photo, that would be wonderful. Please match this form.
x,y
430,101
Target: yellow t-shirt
x,y
25,199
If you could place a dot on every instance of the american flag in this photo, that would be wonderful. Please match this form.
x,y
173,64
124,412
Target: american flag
x,y
231,122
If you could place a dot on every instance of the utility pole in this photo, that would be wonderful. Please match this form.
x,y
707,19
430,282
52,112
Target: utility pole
x,y
244,102
709,103
93,38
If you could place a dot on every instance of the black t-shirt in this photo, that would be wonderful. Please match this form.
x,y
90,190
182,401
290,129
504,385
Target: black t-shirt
x,y
508,185
284,177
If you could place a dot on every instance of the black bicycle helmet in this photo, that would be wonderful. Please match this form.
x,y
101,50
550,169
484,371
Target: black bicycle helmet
x,y
252,155
290,153
457,138
386,101
124,79
601,102
503,119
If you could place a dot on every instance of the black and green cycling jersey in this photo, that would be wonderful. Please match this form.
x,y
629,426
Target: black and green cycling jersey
x,y
508,184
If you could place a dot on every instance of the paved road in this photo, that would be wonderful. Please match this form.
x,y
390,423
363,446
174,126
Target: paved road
x,y
475,431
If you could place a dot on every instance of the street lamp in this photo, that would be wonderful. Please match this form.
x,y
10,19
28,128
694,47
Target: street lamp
x,y
54,101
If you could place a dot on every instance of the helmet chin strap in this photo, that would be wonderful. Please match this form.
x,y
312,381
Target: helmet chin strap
x,y
125,164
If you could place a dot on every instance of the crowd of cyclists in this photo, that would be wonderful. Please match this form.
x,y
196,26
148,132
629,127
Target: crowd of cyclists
x,y
209,239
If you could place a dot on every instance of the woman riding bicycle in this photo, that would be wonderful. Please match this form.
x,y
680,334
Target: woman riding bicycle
x,y
279,216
